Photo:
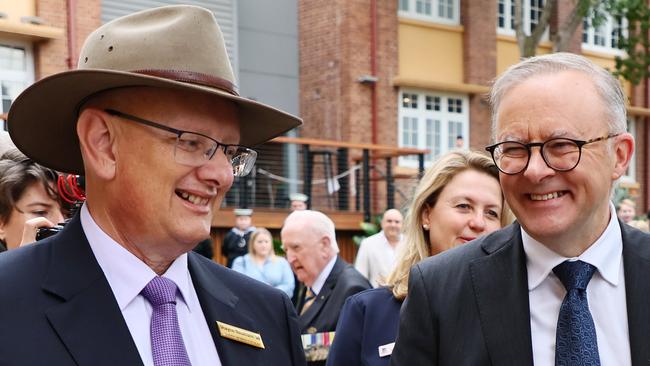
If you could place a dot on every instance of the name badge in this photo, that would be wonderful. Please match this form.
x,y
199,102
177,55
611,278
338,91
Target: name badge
x,y
386,349
240,335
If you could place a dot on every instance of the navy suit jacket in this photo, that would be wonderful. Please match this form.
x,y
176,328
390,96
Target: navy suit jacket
x,y
469,305
57,308
323,314
368,321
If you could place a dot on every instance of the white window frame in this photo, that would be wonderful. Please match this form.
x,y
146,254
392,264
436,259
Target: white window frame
x,y
508,28
607,28
423,116
26,77
434,17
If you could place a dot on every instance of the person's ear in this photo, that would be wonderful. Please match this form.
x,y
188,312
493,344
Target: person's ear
x,y
623,150
424,217
97,141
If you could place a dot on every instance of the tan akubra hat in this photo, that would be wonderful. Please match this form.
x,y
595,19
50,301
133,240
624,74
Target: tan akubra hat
x,y
179,47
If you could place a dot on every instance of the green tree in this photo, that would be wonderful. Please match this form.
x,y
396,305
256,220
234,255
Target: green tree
x,y
633,67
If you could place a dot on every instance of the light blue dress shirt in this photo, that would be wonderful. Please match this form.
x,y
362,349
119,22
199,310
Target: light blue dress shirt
x,y
276,273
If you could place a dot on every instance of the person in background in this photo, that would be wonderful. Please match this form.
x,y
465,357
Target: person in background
x,y
568,283
460,142
29,199
376,255
458,199
298,201
626,210
309,240
262,264
640,224
204,247
235,242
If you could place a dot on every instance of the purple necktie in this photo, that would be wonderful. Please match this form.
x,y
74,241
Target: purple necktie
x,y
166,340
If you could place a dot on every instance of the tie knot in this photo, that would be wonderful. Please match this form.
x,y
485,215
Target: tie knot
x,y
160,291
574,275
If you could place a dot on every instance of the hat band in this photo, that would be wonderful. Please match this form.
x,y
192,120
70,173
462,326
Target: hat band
x,y
193,78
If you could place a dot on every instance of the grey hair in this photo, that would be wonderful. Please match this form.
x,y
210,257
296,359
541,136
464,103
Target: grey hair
x,y
318,222
607,86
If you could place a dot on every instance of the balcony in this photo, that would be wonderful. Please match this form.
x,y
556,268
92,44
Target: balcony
x,y
349,182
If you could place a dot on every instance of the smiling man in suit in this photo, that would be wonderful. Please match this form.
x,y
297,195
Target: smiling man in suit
x,y
567,283
309,240
153,120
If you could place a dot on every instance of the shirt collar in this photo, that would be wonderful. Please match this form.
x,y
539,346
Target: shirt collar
x,y
604,254
127,274
320,280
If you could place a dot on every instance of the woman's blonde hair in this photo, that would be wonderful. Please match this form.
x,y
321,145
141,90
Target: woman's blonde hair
x,y
416,241
259,231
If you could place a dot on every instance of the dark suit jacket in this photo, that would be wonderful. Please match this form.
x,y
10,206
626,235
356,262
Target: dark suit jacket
x,y
57,308
323,314
469,305
368,321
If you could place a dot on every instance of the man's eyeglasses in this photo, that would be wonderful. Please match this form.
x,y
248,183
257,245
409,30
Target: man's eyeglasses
x,y
559,154
195,149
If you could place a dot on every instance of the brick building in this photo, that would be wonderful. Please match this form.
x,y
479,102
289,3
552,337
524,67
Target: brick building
x,y
433,61
405,73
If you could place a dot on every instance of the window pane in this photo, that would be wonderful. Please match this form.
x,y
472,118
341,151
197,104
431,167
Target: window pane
x,y
404,5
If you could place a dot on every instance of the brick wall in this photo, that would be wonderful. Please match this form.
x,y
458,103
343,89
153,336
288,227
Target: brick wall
x,y
52,56
479,56
335,51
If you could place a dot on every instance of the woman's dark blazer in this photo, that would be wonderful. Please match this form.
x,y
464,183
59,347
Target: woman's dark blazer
x,y
368,321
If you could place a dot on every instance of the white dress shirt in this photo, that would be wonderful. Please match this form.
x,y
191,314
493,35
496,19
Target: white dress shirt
x,y
322,276
605,295
127,275
376,258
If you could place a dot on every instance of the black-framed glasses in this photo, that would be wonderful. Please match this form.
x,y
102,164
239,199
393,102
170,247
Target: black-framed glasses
x,y
195,149
560,154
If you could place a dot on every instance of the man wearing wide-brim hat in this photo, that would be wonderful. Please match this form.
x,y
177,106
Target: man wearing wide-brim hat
x,y
152,118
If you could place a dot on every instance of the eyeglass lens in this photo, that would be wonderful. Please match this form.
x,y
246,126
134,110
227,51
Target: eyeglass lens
x,y
194,150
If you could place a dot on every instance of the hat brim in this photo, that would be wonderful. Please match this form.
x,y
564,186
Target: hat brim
x,y
42,120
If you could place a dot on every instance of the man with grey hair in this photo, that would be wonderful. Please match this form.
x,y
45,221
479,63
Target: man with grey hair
x,y
309,240
567,283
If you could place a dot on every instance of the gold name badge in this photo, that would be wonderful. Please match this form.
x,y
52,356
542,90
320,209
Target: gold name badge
x,y
240,335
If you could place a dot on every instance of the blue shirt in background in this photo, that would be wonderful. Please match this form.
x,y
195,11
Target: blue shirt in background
x,y
275,272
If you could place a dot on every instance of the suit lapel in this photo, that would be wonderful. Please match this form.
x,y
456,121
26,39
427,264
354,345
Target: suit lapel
x,y
636,266
309,315
500,283
219,303
88,317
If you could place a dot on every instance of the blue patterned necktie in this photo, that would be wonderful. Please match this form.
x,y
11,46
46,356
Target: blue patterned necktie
x,y
575,343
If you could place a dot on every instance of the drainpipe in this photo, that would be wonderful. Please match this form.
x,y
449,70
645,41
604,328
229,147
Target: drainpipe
x,y
373,68
71,6
373,90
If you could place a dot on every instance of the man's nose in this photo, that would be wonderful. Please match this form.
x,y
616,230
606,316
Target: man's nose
x,y
537,168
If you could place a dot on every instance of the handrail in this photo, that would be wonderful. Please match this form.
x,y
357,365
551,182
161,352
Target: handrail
x,y
384,150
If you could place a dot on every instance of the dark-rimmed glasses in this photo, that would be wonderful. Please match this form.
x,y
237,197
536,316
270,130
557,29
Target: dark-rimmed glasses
x,y
195,149
560,154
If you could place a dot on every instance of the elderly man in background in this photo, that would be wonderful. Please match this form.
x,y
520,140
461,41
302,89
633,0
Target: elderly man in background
x,y
376,255
567,284
309,240
153,120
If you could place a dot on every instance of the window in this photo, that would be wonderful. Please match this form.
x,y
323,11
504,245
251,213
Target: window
x,y
431,120
16,72
605,36
439,11
531,14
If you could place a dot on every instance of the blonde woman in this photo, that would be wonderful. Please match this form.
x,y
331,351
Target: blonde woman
x,y
457,200
262,264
